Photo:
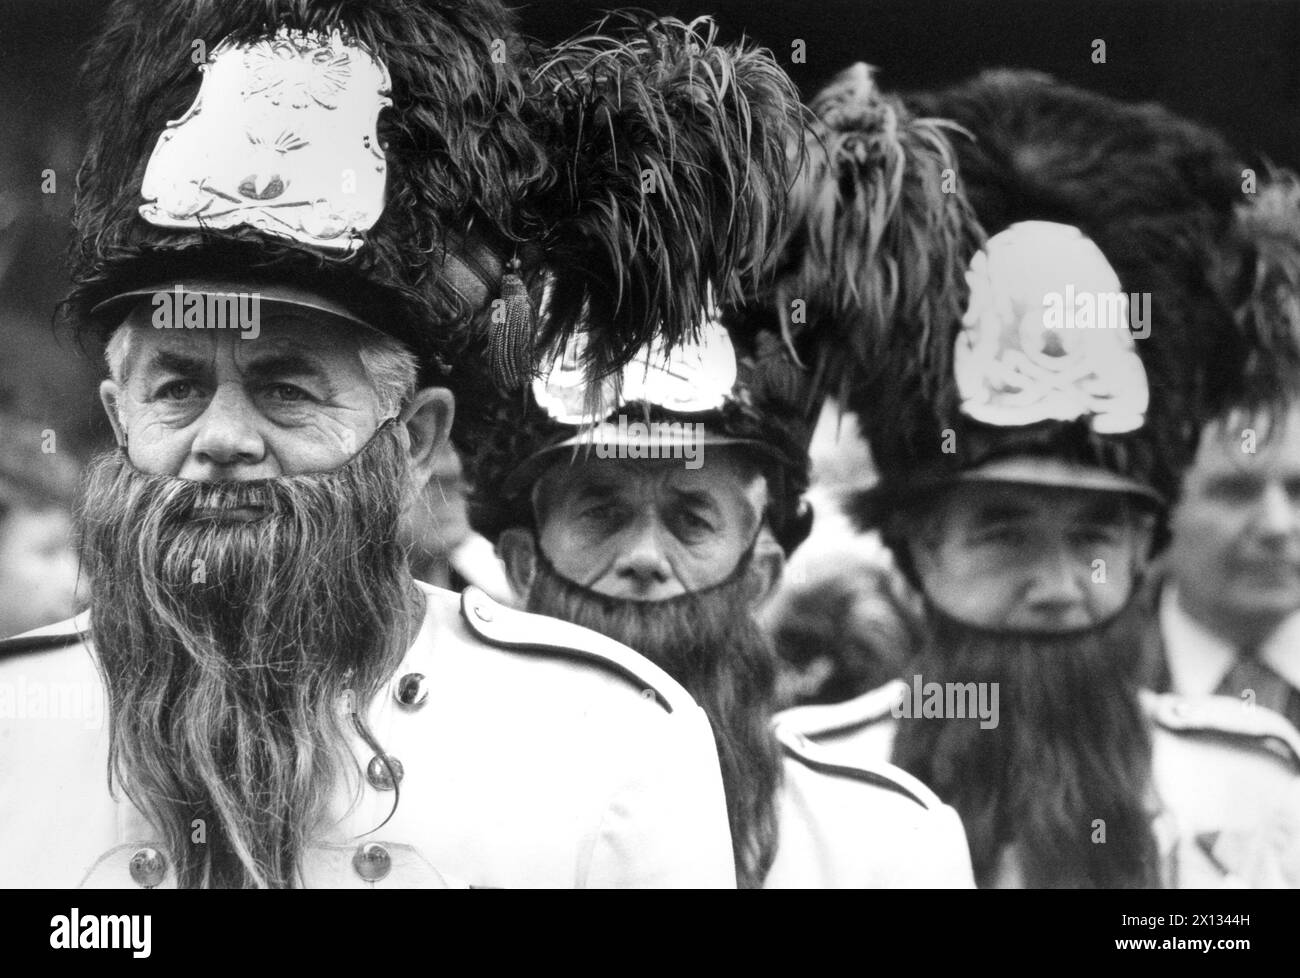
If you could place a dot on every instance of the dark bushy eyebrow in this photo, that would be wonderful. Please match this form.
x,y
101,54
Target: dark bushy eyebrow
x,y
1002,513
596,490
171,361
273,365
279,364
699,498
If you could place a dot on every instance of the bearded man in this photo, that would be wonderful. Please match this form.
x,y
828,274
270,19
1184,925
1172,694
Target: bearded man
x,y
661,517
1027,452
286,706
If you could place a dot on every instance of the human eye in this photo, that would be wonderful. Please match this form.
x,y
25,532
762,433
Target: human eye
x,y
288,393
176,390
691,526
1232,490
605,512
1104,534
999,535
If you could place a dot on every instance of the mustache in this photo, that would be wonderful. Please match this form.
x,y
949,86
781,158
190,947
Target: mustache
x,y
710,643
1071,751
183,531
228,644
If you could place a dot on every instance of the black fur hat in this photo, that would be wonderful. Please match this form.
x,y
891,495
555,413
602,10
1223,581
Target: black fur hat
x,y
459,150
1155,194
708,138
609,166
763,412
1261,272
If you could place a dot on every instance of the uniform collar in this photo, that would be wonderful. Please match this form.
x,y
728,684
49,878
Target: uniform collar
x,y
1198,659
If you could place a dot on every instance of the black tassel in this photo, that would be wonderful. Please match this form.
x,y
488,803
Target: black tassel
x,y
512,333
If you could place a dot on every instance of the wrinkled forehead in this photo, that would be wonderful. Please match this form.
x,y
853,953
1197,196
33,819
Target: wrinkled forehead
x,y
281,332
726,481
976,504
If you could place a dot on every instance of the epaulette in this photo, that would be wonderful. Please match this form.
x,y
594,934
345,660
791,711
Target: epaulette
x,y
841,718
48,638
836,763
1225,716
520,631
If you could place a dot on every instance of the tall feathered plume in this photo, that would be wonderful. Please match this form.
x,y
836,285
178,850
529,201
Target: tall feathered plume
x,y
1155,191
461,157
1264,270
673,155
878,240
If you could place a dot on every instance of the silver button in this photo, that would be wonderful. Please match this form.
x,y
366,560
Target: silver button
x,y
412,690
483,611
148,867
384,776
372,861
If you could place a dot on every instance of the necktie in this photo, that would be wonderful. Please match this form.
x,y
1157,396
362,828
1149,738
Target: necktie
x,y
1270,690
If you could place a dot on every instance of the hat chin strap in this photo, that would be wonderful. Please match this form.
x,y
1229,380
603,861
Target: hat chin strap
x,y
741,568
933,608
387,423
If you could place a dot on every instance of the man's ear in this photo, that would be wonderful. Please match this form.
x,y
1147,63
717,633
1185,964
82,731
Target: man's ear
x,y
109,394
765,567
518,551
427,418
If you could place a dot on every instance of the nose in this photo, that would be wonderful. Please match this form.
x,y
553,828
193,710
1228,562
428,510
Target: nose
x,y
643,563
1276,516
1057,594
227,437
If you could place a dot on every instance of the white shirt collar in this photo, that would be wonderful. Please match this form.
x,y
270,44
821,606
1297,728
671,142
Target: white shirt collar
x,y
1281,651
1199,659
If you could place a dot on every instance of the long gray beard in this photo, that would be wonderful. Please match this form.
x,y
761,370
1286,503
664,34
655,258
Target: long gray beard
x,y
228,648
1070,758
709,642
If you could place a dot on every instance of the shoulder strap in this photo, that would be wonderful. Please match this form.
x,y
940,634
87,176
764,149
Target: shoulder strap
x,y
839,718
836,764
48,638
1225,716
537,634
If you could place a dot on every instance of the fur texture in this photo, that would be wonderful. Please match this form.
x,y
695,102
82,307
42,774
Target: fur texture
x,y
1262,272
673,163
878,243
674,181
461,155
634,171
1156,193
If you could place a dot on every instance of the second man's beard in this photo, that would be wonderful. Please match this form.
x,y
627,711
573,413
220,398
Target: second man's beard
x,y
710,643
1064,776
230,648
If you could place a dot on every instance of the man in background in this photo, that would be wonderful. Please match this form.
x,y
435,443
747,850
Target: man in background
x,y
1231,587
443,550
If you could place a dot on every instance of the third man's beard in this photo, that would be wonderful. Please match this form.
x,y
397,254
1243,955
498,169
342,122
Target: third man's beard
x,y
229,647
1063,776
709,642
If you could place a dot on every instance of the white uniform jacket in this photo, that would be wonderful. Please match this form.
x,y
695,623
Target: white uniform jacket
x,y
540,754
1224,790
851,821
